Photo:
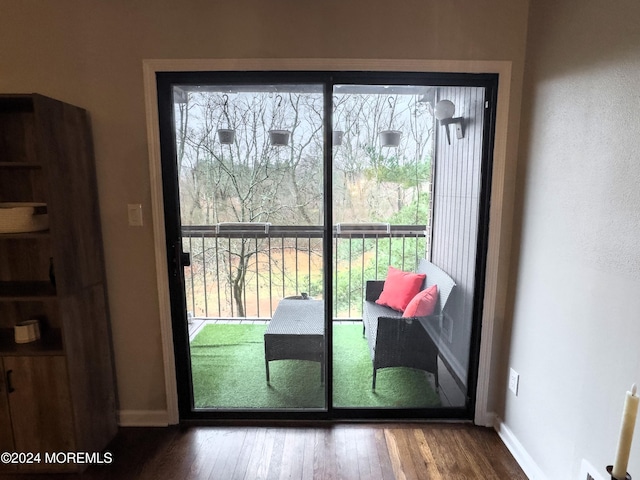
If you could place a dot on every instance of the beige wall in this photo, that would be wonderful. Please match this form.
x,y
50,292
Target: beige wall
x,y
90,53
576,273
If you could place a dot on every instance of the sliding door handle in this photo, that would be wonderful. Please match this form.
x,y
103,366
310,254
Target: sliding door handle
x,y
180,259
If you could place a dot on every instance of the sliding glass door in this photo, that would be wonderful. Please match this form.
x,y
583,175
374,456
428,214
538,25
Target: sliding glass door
x,y
297,206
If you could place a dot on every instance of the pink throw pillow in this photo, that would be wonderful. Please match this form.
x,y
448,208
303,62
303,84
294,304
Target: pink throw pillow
x,y
399,288
423,304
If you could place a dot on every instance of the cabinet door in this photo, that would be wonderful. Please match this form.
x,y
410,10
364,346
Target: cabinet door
x,y
40,406
6,431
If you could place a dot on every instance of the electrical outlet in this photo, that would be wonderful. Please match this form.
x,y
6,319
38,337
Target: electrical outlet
x,y
514,380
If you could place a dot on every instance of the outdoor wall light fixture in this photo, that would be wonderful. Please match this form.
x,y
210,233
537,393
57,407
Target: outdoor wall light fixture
x,y
226,135
444,111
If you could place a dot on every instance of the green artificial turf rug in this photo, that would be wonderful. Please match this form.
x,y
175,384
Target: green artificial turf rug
x,y
228,371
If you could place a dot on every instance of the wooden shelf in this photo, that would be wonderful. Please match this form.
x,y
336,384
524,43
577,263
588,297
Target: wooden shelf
x,y
26,291
49,344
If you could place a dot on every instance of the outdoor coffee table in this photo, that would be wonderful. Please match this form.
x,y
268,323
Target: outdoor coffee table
x,y
296,332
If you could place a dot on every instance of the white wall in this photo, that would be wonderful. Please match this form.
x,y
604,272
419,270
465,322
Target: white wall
x,y
575,336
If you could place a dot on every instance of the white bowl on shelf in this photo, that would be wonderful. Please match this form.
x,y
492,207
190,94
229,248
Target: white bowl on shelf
x,y
23,217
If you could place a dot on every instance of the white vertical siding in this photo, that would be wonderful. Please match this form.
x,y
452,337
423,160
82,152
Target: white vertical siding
x,y
455,216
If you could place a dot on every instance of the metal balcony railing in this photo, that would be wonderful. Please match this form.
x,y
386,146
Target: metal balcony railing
x,y
242,270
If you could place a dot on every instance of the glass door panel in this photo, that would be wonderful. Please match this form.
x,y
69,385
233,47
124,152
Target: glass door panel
x,y
250,179
382,168
387,145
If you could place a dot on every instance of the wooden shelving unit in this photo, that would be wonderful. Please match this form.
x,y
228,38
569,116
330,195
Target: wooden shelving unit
x,y
46,156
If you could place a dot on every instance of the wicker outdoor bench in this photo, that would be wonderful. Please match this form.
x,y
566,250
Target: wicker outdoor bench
x,y
404,342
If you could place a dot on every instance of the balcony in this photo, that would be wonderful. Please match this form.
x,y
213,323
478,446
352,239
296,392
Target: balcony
x,y
241,271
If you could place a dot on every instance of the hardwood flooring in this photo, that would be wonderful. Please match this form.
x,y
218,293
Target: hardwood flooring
x,y
339,451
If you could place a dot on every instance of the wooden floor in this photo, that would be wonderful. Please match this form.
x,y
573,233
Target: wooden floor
x,y
339,451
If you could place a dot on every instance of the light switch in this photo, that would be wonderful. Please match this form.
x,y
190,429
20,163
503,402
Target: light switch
x,y
134,211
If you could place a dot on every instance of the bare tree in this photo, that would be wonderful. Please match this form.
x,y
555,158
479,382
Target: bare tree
x,y
250,180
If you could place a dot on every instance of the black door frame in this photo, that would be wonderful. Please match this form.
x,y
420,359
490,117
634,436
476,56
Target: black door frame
x,y
165,82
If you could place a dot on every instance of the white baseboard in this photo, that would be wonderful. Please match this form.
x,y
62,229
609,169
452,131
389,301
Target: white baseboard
x,y
143,418
528,465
